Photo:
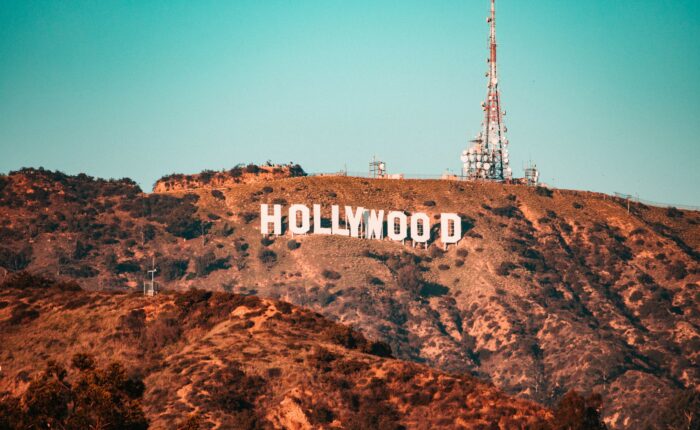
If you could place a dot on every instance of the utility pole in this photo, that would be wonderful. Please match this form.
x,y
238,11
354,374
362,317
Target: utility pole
x,y
152,290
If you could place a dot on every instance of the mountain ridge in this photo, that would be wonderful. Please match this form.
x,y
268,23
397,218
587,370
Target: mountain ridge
x,y
549,290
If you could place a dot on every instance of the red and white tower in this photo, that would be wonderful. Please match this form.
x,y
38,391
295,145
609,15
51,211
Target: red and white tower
x,y
487,156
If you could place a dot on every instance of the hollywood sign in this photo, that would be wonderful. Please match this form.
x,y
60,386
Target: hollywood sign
x,y
360,223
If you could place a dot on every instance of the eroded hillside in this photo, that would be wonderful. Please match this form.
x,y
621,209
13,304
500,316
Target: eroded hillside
x,y
547,291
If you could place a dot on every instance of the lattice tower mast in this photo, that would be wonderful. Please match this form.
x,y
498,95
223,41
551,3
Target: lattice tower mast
x,y
487,157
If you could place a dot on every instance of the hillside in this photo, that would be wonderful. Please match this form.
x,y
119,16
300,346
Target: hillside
x,y
548,291
240,362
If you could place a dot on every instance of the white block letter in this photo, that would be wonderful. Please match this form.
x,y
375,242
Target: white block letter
x,y
317,222
420,234
354,220
453,221
294,212
335,222
375,224
391,223
275,218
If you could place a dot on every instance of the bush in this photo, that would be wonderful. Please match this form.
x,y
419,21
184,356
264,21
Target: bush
x,y
429,289
293,244
543,191
173,269
217,194
252,169
331,274
576,412
429,203
267,256
267,241
345,336
509,211
375,281
677,270
27,281
674,213
128,266
206,176
15,260
505,268
106,398
207,263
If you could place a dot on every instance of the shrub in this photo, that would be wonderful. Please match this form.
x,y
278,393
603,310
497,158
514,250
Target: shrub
x,y
206,176
436,252
462,252
331,274
444,267
674,213
293,244
505,268
375,281
236,172
409,278
252,169
509,211
345,336
207,263
267,241
128,266
429,203
267,189
105,398
576,412
26,281
267,256
15,260
429,289
22,313
217,194
248,216
172,269
543,191
677,270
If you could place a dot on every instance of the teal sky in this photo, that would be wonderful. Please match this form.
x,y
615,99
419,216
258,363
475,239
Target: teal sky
x,y
604,95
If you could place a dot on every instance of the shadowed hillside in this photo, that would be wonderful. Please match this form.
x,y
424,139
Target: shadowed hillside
x,y
548,291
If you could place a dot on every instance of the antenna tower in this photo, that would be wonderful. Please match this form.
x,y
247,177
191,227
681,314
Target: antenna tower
x,y
487,156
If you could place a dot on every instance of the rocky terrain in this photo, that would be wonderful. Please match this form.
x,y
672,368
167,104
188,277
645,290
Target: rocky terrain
x,y
548,291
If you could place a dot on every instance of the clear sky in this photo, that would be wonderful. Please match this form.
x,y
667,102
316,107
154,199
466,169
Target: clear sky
x,y
603,95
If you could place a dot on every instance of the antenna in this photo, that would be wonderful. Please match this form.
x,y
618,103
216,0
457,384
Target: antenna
x,y
377,168
487,157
